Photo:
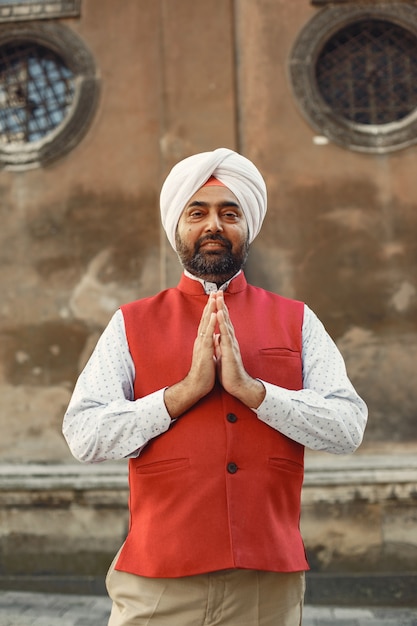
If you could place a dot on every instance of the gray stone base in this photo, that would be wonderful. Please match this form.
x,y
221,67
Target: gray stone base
x,y
62,524
384,590
394,590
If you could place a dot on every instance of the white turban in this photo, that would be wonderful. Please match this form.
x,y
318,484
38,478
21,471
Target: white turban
x,y
232,169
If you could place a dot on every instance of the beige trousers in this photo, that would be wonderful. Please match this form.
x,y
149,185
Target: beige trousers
x,y
225,598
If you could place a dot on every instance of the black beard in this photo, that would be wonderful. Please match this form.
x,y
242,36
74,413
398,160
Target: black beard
x,y
215,266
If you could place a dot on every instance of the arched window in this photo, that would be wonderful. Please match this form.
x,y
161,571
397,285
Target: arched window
x,y
354,74
48,93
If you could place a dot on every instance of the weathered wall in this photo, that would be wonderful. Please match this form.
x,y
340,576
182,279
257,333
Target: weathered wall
x,y
82,235
341,230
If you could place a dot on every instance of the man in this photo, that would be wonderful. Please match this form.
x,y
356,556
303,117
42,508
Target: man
x,y
212,389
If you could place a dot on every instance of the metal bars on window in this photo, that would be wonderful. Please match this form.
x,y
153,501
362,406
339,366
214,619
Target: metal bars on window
x,y
367,72
36,91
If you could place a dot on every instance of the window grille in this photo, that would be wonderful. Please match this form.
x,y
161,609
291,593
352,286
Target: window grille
x,y
367,72
49,91
36,92
353,70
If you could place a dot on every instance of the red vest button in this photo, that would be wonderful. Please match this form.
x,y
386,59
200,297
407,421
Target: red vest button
x,y
231,417
232,468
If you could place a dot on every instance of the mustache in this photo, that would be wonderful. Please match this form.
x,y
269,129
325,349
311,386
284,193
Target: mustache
x,y
214,237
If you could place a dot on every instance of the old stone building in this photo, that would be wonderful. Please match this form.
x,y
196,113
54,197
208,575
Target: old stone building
x,y
98,100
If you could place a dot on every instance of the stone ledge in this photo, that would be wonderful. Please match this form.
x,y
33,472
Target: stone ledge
x,y
360,469
51,477
330,472
367,478
358,515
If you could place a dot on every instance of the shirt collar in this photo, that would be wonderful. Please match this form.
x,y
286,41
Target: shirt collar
x,y
210,287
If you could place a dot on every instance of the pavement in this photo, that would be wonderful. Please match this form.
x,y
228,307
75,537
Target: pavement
x,y
42,609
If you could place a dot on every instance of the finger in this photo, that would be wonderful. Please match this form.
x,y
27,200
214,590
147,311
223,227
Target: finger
x,y
208,311
206,332
209,332
221,306
220,300
225,325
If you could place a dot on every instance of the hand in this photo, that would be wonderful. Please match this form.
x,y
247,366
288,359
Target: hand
x,y
214,354
230,369
202,375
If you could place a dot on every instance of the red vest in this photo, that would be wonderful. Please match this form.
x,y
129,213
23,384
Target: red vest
x,y
220,489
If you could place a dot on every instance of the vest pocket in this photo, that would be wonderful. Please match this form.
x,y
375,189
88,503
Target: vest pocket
x,y
163,466
286,465
279,366
284,352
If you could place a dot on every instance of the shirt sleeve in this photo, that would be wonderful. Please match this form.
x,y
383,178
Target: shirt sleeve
x,y
103,420
327,414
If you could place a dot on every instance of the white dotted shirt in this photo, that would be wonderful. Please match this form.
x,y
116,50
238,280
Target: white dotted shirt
x,y
104,421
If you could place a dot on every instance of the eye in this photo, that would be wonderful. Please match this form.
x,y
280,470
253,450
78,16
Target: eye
x,y
231,215
196,213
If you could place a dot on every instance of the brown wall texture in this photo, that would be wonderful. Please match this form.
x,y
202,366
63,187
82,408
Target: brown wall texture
x,y
81,235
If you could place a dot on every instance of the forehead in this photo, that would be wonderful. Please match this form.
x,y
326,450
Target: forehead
x,y
213,195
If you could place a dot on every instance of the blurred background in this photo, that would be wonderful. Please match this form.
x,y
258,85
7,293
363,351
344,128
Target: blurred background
x,y
98,100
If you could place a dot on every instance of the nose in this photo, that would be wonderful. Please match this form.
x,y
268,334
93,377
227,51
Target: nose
x,y
213,223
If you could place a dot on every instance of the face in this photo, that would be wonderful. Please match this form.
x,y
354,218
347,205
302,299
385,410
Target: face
x,y
212,235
